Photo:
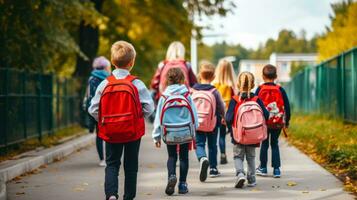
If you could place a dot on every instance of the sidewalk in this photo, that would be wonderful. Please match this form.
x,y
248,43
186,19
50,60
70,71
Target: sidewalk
x,y
79,177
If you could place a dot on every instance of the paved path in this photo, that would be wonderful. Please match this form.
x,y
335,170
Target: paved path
x,y
78,177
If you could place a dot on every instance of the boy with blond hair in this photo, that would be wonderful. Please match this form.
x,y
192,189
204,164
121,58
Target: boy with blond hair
x,y
119,105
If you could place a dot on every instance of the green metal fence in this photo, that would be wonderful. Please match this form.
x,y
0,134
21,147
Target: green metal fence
x,y
33,105
328,88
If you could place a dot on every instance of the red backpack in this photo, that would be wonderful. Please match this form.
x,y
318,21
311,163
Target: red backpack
x,y
274,103
120,118
173,64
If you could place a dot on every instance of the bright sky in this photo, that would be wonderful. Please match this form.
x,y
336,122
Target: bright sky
x,y
254,21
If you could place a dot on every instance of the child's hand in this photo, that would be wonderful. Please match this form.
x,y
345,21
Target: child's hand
x,y
223,122
158,144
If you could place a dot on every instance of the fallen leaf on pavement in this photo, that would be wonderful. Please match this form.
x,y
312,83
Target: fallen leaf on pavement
x,y
305,192
291,184
20,193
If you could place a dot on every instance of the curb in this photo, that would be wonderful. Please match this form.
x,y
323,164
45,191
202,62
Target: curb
x,y
3,195
47,156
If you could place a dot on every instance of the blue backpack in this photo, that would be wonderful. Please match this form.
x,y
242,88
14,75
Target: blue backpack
x,y
177,120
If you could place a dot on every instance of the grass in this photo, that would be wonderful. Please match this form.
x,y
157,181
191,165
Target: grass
x,y
46,142
330,142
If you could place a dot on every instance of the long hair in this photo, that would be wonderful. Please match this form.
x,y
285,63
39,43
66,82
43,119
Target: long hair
x,y
245,82
175,51
224,74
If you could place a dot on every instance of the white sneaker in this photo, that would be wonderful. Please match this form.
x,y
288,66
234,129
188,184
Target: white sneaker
x,y
112,198
102,163
204,164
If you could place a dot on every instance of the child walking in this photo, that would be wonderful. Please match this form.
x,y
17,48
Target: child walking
x,y
175,123
277,103
247,116
225,83
121,125
210,108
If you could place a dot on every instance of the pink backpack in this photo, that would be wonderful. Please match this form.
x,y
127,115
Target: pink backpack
x,y
173,64
205,103
249,126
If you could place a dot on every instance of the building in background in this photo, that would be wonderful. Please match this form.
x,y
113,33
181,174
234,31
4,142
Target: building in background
x,y
283,62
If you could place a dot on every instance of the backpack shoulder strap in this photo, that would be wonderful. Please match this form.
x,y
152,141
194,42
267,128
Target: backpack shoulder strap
x,y
130,78
111,79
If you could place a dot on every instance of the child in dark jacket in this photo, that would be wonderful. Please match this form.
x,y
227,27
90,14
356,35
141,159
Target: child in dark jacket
x,y
269,76
245,85
206,75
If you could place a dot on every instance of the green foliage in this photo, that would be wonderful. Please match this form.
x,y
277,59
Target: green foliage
x,y
41,34
328,141
287,42
342,34
44,34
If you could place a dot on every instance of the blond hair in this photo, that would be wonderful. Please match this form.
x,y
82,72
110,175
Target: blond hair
x,y
245,82
122,54
224,73
206,71
175,51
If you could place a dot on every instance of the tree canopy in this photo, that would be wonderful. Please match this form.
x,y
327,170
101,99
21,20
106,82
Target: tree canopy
x,y
342,35
49,35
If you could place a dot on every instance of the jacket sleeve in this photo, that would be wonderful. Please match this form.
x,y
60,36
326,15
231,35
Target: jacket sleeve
x,y
156,133
230,113
265,111
191,76
220,106
145,98
286,106
155,81
94,105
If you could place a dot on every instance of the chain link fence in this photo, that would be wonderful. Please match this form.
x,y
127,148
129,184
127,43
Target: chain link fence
x,y
328,88
34,104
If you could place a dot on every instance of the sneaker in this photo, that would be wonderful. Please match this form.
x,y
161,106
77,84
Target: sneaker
x,y
223,159
214,173
261,171
102,163
182,188
204,164
251,181
170,188
276,173
112,198
240,180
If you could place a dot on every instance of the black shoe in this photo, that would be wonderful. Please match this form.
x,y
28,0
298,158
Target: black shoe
x,y
204,164
170,188
214,173
223,159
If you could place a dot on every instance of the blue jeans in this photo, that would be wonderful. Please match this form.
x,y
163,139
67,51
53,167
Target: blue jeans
x,y
212,147
171,161
99,144
273,134
114,153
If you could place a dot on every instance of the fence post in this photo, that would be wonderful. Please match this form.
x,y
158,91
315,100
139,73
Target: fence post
x,y
57,103
24,96
354,79
39,106
51,105
341,84
6,128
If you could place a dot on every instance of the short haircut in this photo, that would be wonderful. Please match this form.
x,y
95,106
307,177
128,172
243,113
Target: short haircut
x,y
269,71
122,53
206,71
175,76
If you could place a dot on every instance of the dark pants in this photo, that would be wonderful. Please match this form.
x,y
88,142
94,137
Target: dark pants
x,y
212,147
99,142
171,162
273,134
222,138
114,153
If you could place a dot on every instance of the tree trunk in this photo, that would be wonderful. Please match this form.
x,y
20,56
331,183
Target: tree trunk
x,y
89,44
